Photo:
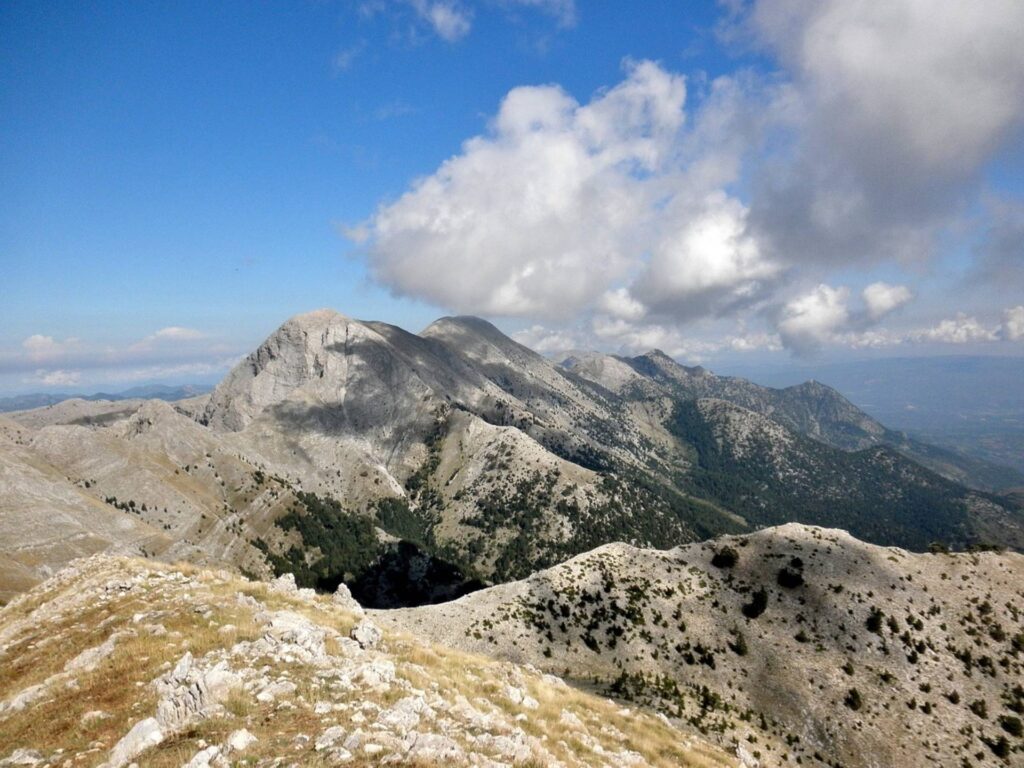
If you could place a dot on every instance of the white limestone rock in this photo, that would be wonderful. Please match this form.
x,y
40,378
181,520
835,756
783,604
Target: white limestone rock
x,y
239,741
367,634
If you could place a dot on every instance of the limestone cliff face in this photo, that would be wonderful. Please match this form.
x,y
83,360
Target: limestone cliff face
x,y
321,359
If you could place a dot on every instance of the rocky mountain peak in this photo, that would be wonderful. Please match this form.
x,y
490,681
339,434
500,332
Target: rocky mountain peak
x,y
479,340
656,364
306,350
316,318
657,354
150,414
813,387
610,372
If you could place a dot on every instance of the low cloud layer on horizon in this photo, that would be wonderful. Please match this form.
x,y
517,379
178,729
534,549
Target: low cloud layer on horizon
x,y
817,204
174,353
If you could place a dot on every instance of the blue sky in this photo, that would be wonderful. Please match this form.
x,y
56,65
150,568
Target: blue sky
x,y
180,178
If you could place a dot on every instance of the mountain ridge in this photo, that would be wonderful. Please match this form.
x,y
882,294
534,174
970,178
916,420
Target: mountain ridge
x,y
484,456
151,391
802,643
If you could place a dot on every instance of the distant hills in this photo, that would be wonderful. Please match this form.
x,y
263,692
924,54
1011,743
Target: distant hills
x,y
898,388
970,404
147,392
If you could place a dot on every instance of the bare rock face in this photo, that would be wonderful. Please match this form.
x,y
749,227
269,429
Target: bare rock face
x,y
296,355
326,371
187,694
22,757
190,692
367,635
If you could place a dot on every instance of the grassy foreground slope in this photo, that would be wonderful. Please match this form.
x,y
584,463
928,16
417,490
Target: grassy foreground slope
x,y
116,661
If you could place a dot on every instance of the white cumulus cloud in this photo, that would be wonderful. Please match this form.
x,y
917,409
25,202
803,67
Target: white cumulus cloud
x,y
900,105
813,319
40,348
620,304
704,260
961,329
545,213
881,299
1013,324
626,220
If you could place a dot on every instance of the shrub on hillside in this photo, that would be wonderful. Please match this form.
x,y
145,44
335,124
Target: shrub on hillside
x,y
726,557
757,604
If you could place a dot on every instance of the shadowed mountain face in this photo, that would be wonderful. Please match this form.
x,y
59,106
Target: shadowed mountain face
x,y
480,454
812,409
503,461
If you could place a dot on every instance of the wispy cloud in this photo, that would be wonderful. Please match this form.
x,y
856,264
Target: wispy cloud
x,y
564,11
173,351
344,59
178,333
393,109
57,378
448,19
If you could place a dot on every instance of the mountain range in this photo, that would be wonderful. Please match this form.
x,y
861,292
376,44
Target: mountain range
x,y
461,453
969,404
146,392
631,526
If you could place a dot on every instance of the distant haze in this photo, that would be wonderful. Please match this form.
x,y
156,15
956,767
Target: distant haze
x,y
974,404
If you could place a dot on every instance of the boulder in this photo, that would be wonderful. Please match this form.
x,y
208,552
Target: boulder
x,y
343,599
367,634
143,735
239,741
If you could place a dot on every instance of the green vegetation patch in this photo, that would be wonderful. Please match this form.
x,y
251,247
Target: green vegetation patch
x,y
347,543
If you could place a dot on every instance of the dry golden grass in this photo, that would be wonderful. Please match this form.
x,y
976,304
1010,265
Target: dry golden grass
x,y
120,685
478,677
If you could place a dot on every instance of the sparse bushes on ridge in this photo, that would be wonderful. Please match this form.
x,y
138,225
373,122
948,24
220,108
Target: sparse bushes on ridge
x,y
874,621
853,699
739,644
1012,725
757,604
789,579
726,557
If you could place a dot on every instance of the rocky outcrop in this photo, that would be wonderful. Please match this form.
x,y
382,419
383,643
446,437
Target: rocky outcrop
x,y
277,673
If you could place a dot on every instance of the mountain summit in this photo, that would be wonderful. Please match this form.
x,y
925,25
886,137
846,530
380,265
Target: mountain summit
x,y
461,452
